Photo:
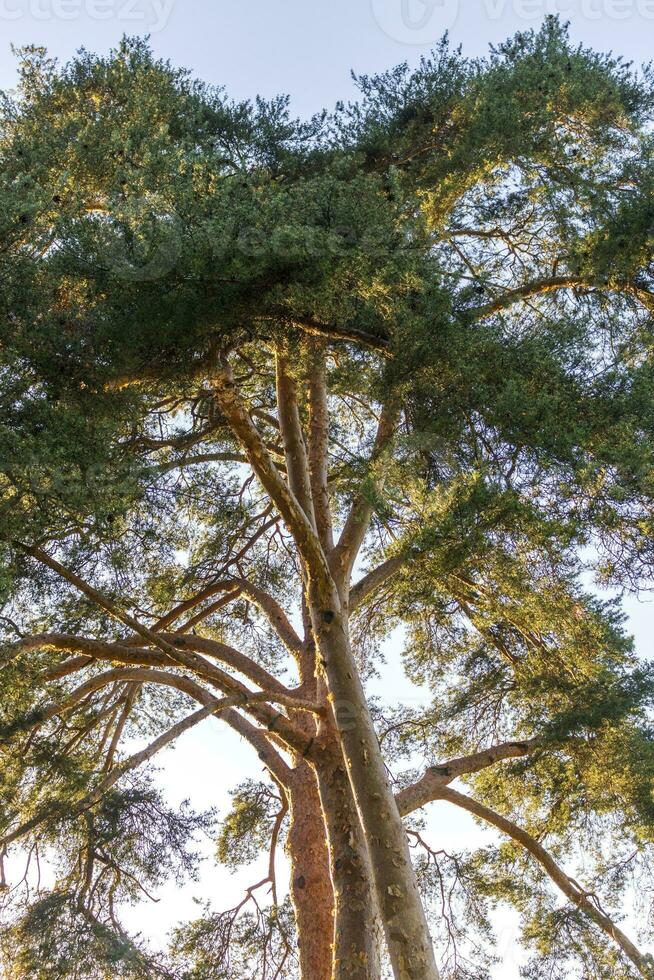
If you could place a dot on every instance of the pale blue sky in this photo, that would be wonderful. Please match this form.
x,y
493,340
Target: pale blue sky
x,y
306,49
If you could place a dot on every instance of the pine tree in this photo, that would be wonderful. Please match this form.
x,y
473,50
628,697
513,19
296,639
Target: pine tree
x,y
273,391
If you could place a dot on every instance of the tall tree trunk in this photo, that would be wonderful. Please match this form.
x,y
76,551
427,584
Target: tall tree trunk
x,y
403,917
311,886
357,929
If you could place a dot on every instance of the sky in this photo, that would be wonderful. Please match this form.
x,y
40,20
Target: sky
x,y
308,50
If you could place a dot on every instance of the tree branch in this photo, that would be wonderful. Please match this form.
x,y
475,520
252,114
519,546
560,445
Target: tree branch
x,y
209,610
275,615
145,676
644,963
297,464
226,654
127,652
284,499
291,734
319,443
56,809
361,511
178,464
331,331
374,579
109,606
553,284
208,593
131,696
429,786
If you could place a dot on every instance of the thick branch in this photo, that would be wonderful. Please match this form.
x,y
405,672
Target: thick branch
x,y
225,654
374,579
297,464
283,726
126,652
319,443
70,666
275,615
361,511
185,441
330,331
553,284
582,899
270,478
181,683
429,786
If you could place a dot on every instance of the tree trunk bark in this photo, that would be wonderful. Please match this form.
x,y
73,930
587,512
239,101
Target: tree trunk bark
x,y
357,929
311,887
403,917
